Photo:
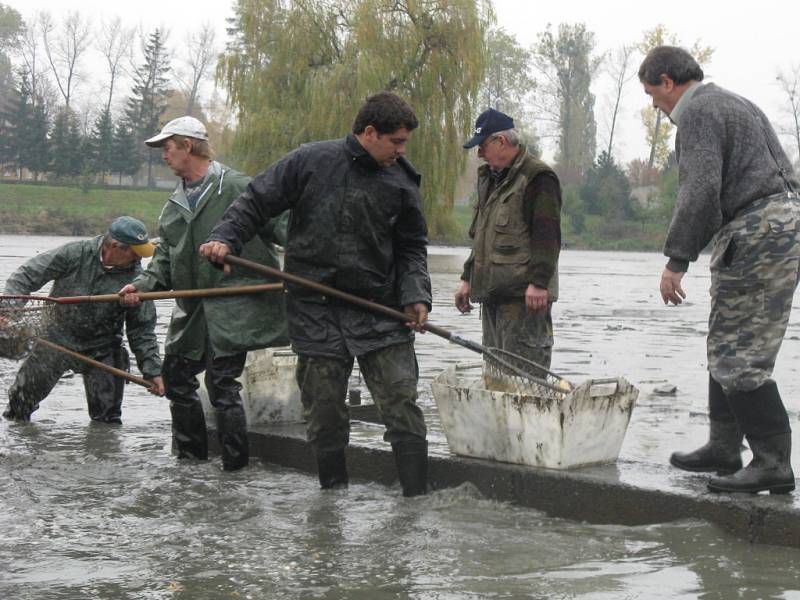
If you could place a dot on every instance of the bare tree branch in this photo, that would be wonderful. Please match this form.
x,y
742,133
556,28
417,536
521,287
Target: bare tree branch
x,y
114,42
790,85
64,52
202,55
618,67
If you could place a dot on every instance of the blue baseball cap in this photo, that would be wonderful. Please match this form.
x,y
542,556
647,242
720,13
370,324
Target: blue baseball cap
x,y
489,122
132,232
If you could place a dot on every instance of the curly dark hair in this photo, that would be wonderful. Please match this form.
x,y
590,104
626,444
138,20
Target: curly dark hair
x,y
676,63
386,112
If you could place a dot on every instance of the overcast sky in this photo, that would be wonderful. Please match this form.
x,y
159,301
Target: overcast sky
x,y
751,42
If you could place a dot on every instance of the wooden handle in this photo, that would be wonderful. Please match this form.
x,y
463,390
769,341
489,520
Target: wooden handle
x,y
389,312
198,293
95,363
326,291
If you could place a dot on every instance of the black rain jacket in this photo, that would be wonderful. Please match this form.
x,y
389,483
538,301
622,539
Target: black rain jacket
x,y
354,226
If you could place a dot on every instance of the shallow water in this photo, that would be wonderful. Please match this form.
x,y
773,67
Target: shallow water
x,y
92,511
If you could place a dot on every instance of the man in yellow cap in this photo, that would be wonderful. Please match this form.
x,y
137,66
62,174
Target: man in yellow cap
x,y
101,265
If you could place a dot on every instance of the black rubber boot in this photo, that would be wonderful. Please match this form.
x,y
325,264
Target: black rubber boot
x,y
15,414
411,459
332,468
722,453
232,435
763,419
189,435
770,470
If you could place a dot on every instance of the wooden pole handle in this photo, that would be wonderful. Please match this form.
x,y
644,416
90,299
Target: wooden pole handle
x,y
172,294
95,363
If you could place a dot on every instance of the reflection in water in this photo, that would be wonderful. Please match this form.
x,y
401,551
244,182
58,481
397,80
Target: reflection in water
x,y
92,511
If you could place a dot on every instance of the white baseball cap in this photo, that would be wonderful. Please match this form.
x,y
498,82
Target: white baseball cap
x,y
186,126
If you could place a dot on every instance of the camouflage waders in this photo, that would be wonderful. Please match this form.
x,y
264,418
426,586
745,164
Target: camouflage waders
x,y
754,272
508,325
391,375
41,371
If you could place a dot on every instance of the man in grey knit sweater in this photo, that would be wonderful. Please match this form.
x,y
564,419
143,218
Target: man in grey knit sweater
x,y
736,186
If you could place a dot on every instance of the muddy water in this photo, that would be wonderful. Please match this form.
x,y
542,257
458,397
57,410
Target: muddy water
x,y
102,512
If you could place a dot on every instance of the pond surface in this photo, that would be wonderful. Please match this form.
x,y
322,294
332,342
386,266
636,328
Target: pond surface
x,y
92,511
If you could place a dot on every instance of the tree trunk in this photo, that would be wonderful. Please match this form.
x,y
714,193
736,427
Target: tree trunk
x,y
656,131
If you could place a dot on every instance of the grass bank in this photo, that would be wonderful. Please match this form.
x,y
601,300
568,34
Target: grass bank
x,y
597,233
69,210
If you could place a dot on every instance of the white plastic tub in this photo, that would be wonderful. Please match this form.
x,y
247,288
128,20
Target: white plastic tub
x,y
583,427
269,389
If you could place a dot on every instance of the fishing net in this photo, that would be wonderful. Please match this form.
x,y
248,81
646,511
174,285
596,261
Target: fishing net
x,y
508,372
21,323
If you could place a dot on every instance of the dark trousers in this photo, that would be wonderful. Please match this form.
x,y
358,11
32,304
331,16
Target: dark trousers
x,y
189,435
508,325
40,372
391,375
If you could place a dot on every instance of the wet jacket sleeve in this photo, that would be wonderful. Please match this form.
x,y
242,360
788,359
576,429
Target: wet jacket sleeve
x,y
469,264
411,255
269,194
466,274
543,214
698,213
140,325
41,269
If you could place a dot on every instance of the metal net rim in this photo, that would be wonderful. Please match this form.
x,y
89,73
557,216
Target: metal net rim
x,y
539,382
21,323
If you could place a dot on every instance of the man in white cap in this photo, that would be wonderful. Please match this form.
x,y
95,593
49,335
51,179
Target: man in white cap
x,y
209,334
85,268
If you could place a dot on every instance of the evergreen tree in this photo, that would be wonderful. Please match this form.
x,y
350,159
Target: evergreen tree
x,y
149,99
101,145
66,146
126,159
607,190
36,150
25,133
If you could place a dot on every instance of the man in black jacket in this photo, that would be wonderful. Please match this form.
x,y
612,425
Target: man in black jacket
x,y
356,225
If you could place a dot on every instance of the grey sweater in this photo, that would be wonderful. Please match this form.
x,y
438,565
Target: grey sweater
x,y
724,164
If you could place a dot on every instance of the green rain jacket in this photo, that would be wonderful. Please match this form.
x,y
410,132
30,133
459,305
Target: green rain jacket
x,y
230,324
75,270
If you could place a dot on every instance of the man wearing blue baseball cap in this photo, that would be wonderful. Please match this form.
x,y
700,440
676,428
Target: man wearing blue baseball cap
x,y
100,265
516,231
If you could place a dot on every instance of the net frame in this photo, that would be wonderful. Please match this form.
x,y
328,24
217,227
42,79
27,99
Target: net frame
x,y
22,321
510,372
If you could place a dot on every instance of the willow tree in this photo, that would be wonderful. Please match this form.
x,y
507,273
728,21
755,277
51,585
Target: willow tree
x,y
297,71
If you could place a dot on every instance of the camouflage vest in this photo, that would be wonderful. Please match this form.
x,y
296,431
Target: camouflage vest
x,y
501,236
